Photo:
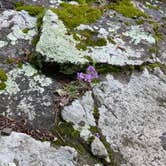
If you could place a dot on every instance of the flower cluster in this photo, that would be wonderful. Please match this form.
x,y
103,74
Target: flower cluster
x,y
90,75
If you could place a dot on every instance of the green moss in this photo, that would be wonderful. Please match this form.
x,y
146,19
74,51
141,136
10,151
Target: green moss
x,y
35,40
158,36
86,1
154,50
18,4
96,114
111,40
68,136
94,129
127,23
90,140
152,6
32,10
20,65
10,60
140,21
89,38
25,30
3,76
104,68
126,8
74,15
2,86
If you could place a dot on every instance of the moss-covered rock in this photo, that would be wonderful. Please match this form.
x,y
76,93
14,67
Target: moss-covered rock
x,y
74,15
126,8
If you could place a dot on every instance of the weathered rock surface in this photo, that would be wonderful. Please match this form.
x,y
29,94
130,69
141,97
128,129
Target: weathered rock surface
x,y
132,117
20,149
54,44
133,48
13,40
98,149
28,95
80,113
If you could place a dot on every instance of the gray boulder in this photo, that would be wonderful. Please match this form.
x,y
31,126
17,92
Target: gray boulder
x,y
28,95
20,149
132,117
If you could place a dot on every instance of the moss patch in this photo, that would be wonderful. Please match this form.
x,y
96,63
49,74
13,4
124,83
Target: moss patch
x,y
152,6
126,8
25,30
68,136
3,79
74,15
2,86
89,38
32,10
3,76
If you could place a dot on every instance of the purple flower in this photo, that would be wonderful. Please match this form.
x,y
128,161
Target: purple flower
x,y
98,135
91,69
80,76
89,76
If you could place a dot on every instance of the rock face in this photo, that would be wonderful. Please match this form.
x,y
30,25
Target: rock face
x,y
122,116
132,117
80,113
133,48
12,32
21,149
54,44
28,95
98,149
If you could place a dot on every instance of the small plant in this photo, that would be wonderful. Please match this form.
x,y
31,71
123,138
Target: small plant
x,y
89,76
71,91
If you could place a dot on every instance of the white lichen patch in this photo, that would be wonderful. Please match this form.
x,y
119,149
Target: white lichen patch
x,y
55,44
19,20
112,55
3,43
137,34
26,108
36,82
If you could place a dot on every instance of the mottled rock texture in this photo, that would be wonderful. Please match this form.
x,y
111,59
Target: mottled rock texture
x,y
20,149
28,95
132,117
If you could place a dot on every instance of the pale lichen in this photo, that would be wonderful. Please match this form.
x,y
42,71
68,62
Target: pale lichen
x,y
137,34
36,82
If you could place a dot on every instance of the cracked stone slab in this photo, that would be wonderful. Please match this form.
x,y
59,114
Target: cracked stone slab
x,y
132,116
132,42
21,149
80,113
28,95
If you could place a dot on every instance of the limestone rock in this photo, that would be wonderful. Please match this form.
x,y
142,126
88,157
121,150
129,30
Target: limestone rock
x,y
20,149
98,149
17,29
28,95
54,44
80,112
132,117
